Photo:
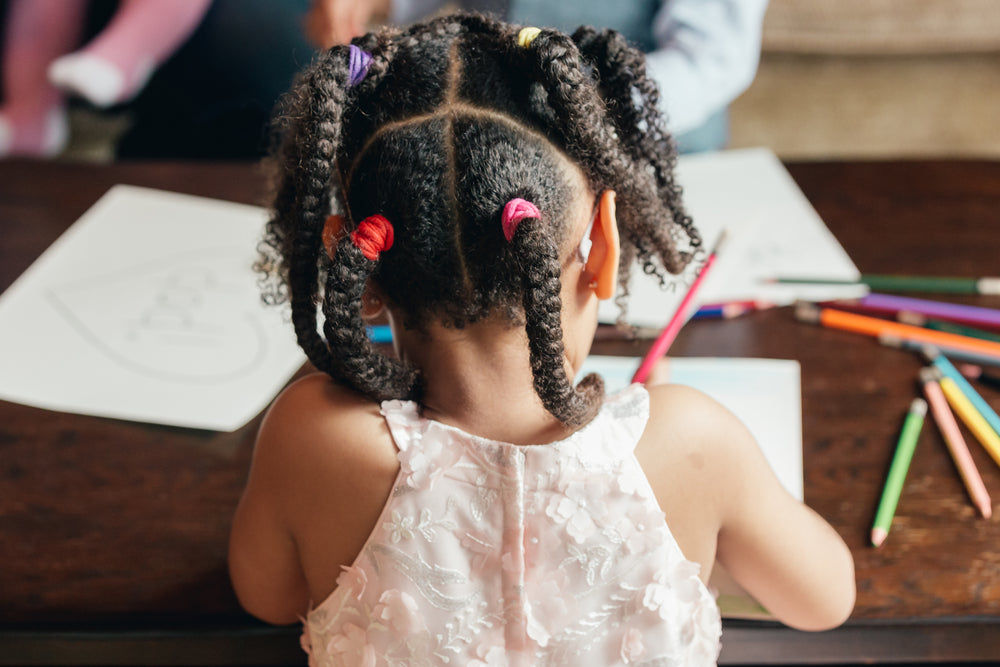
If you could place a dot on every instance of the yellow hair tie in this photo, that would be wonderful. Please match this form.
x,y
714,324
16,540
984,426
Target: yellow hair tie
x,y
527,36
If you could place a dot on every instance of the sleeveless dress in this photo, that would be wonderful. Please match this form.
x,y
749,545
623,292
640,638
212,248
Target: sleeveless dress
x,y
489,553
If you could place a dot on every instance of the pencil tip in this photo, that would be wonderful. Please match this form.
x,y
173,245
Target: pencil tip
x,y
720,241
970,371
890,340
807,312
878,536
929,374
988,285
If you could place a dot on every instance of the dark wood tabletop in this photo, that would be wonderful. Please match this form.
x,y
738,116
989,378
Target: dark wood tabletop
x,y
113,533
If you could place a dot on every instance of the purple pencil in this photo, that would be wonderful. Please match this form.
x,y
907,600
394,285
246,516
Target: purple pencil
x,y
954,312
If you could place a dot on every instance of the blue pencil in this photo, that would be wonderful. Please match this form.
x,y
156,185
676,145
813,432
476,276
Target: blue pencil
x,y
982,407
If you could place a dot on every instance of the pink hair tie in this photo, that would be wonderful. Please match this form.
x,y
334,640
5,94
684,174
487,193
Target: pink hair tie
x,y
514,212
373,236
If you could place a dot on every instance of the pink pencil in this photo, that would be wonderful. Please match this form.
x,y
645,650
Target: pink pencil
x,y
956,443
662,343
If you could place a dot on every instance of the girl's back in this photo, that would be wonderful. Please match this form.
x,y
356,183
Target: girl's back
x,y
523,555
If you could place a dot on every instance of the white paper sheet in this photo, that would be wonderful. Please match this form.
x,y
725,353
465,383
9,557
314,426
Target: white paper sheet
x,y
765,394
147,309
772,230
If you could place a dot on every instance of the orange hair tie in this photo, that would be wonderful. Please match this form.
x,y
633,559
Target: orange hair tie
x,y
373,236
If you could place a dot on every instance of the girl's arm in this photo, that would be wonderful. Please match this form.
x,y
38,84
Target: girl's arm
x,y
322,470
783,553
264,564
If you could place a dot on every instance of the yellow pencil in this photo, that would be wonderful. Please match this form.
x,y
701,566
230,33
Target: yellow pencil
x,y
964,408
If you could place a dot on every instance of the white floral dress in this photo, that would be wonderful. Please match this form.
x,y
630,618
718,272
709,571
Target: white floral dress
x,y
489,553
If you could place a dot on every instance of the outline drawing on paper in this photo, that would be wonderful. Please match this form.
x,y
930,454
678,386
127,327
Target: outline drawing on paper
x,y
181,318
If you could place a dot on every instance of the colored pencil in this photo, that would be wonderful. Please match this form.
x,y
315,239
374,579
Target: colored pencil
x,y
918,320
979,374
663,341
967,412
953,312
728,310
874,326
892,340
930,378
380,333
905,447
890,283
949,370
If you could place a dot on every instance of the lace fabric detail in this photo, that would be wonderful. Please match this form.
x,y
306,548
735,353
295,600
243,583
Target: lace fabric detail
x,y
489,553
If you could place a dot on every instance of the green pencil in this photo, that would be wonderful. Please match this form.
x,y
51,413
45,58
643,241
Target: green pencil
x,y
889,283
961,330
897,471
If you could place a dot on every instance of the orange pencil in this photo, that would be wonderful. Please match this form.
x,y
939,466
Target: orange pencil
x,y
874,326
930,377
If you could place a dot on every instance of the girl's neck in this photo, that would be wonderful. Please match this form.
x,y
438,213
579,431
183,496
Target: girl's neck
x,y
478,379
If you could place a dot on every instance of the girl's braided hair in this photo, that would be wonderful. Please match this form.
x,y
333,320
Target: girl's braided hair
x,y
452,120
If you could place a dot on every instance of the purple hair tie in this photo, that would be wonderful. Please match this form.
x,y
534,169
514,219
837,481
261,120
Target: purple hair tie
x,y
358,64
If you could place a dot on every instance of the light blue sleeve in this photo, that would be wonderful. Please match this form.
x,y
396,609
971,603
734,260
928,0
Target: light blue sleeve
x,y
706,54
407,11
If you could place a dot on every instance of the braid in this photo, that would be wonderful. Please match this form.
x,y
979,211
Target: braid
x,y
622,73
303,195
626,149
539,258
357,362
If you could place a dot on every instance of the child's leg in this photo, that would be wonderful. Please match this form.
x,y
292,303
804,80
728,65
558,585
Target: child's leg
x,y
33,115
115,66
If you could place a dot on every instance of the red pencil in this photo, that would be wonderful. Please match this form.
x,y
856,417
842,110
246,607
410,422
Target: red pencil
x,y
662,343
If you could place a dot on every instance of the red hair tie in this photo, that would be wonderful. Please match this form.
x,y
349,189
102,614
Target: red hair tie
x,y
373,236
514,212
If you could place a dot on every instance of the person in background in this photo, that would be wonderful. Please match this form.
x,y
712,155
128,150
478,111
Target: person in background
x,y
215,97
44,63
702,53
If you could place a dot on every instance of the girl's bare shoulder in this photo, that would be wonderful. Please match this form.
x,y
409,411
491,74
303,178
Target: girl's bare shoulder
x,y
315,405
684,420
317,428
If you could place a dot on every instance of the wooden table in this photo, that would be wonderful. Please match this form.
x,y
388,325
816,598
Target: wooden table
x,y
113,534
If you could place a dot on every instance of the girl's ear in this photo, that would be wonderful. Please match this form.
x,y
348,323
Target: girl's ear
x,y
372,303
605,250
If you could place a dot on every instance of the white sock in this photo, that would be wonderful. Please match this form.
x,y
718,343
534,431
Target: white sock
x,y
56,132
89,76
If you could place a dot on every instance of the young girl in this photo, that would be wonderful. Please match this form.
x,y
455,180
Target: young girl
x,y
463,502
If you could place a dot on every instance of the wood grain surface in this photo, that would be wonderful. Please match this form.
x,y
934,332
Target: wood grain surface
x,y
109,524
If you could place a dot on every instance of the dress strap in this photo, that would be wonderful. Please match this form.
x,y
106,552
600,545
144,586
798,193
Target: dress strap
x,y
628,412
404,421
